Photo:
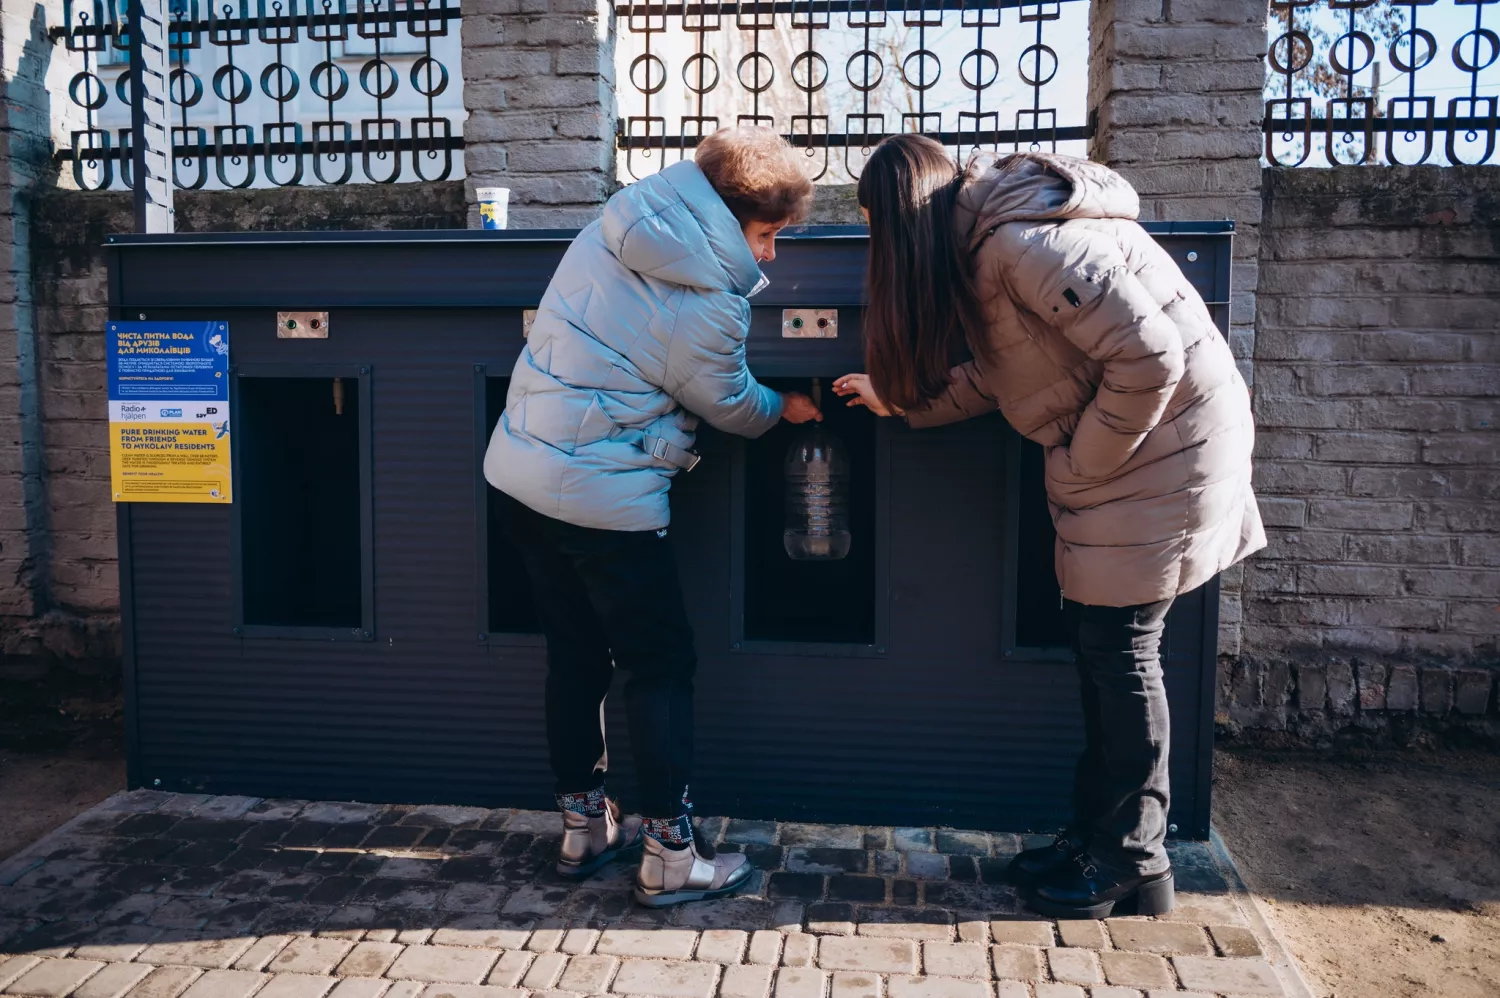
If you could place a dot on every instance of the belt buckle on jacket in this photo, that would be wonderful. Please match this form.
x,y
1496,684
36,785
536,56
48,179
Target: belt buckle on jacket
x,y
659,451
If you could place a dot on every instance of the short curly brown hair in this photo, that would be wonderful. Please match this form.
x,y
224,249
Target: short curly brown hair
x,y
757,173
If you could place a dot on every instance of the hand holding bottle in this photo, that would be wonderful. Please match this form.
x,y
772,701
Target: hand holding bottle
x,y
799,408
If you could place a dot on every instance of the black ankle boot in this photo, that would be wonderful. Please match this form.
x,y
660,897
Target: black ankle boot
x,y
1083,889
1030,866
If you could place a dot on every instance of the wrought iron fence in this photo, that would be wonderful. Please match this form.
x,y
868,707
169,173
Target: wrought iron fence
x,y
776,62
272,139
1326,87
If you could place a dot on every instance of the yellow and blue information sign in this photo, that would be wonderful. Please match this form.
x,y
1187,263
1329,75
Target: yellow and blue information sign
x,y
169,411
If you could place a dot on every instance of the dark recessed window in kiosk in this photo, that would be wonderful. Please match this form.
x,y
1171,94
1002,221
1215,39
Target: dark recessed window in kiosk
x,y
297,443
1040,619
819,598
511,609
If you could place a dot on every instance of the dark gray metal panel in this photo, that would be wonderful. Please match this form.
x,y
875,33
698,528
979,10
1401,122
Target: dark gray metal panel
x,y
942,727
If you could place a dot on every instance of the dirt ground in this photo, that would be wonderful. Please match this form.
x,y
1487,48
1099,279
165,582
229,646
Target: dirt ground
x,y
62,739
1381,872
38,793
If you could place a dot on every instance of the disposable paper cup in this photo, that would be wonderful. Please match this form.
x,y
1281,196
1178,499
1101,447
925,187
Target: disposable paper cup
x,y
494,206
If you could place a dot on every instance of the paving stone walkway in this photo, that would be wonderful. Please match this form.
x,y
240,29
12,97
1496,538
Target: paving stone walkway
x,y
153,895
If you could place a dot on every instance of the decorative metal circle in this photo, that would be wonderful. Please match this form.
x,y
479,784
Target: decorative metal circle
x,y
95,91
1292,52
1347,40
281,73
421,71
1411,36
176,88
239,89
1479,35
382,71
867,58
648,73
700,65
810,72
986,69
122,87
924,57
1037,78
760,62
326,71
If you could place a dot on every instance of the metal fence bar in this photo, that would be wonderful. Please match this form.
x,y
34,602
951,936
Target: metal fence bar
x,y
195,141
775,63
1325,82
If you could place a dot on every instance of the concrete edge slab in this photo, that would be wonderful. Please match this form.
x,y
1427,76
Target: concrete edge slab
x,y
1277,953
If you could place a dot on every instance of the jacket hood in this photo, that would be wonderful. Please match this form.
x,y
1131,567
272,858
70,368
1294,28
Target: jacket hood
x,y
673,226
1036,186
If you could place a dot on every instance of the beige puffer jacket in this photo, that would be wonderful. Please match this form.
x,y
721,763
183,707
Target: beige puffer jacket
x,y
1099,349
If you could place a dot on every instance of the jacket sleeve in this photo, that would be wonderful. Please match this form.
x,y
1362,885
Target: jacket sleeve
x,y
965,397
706,370
1077,279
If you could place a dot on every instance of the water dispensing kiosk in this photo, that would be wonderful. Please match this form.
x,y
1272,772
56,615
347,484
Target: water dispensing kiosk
x,y
354,626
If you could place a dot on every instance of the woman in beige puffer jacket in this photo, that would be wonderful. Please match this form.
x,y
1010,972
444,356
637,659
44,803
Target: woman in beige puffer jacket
x,y
1085,334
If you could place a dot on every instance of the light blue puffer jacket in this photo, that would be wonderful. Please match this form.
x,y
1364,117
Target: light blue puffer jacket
x,y
641,332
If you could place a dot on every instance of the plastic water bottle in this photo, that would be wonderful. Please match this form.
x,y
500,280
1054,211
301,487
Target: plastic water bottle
x,y
817,496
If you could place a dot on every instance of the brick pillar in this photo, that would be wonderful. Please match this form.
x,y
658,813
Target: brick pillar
x,y
1177,85
33,85
539,88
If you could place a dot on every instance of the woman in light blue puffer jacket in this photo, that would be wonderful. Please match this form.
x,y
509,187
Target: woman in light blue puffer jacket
x,y
640,334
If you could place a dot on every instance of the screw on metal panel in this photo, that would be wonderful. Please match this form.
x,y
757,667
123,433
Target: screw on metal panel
x,y
239,632
143,315
479,368
364,370
1171,829
1192,255
156,783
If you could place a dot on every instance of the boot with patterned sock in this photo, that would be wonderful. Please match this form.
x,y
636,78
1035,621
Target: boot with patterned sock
x,y
677,866
594,833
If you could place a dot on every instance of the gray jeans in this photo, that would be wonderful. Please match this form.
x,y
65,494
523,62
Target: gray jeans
x,y
1120,789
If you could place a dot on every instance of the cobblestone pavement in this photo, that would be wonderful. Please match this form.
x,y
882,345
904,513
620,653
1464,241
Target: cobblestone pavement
x,y
153,895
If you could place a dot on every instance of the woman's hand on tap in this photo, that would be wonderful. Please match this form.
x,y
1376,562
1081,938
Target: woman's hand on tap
x,y
858,385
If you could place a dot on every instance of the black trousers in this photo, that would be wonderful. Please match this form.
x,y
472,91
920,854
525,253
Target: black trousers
x,y
611,599
1120,789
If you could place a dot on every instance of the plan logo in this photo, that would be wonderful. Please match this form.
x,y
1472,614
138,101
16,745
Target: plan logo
x,y
168,413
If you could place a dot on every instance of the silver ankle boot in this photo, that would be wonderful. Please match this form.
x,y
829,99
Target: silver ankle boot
x,y
590,843
672,876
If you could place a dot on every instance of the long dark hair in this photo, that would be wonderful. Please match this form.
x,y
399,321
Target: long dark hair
x,y
922,301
